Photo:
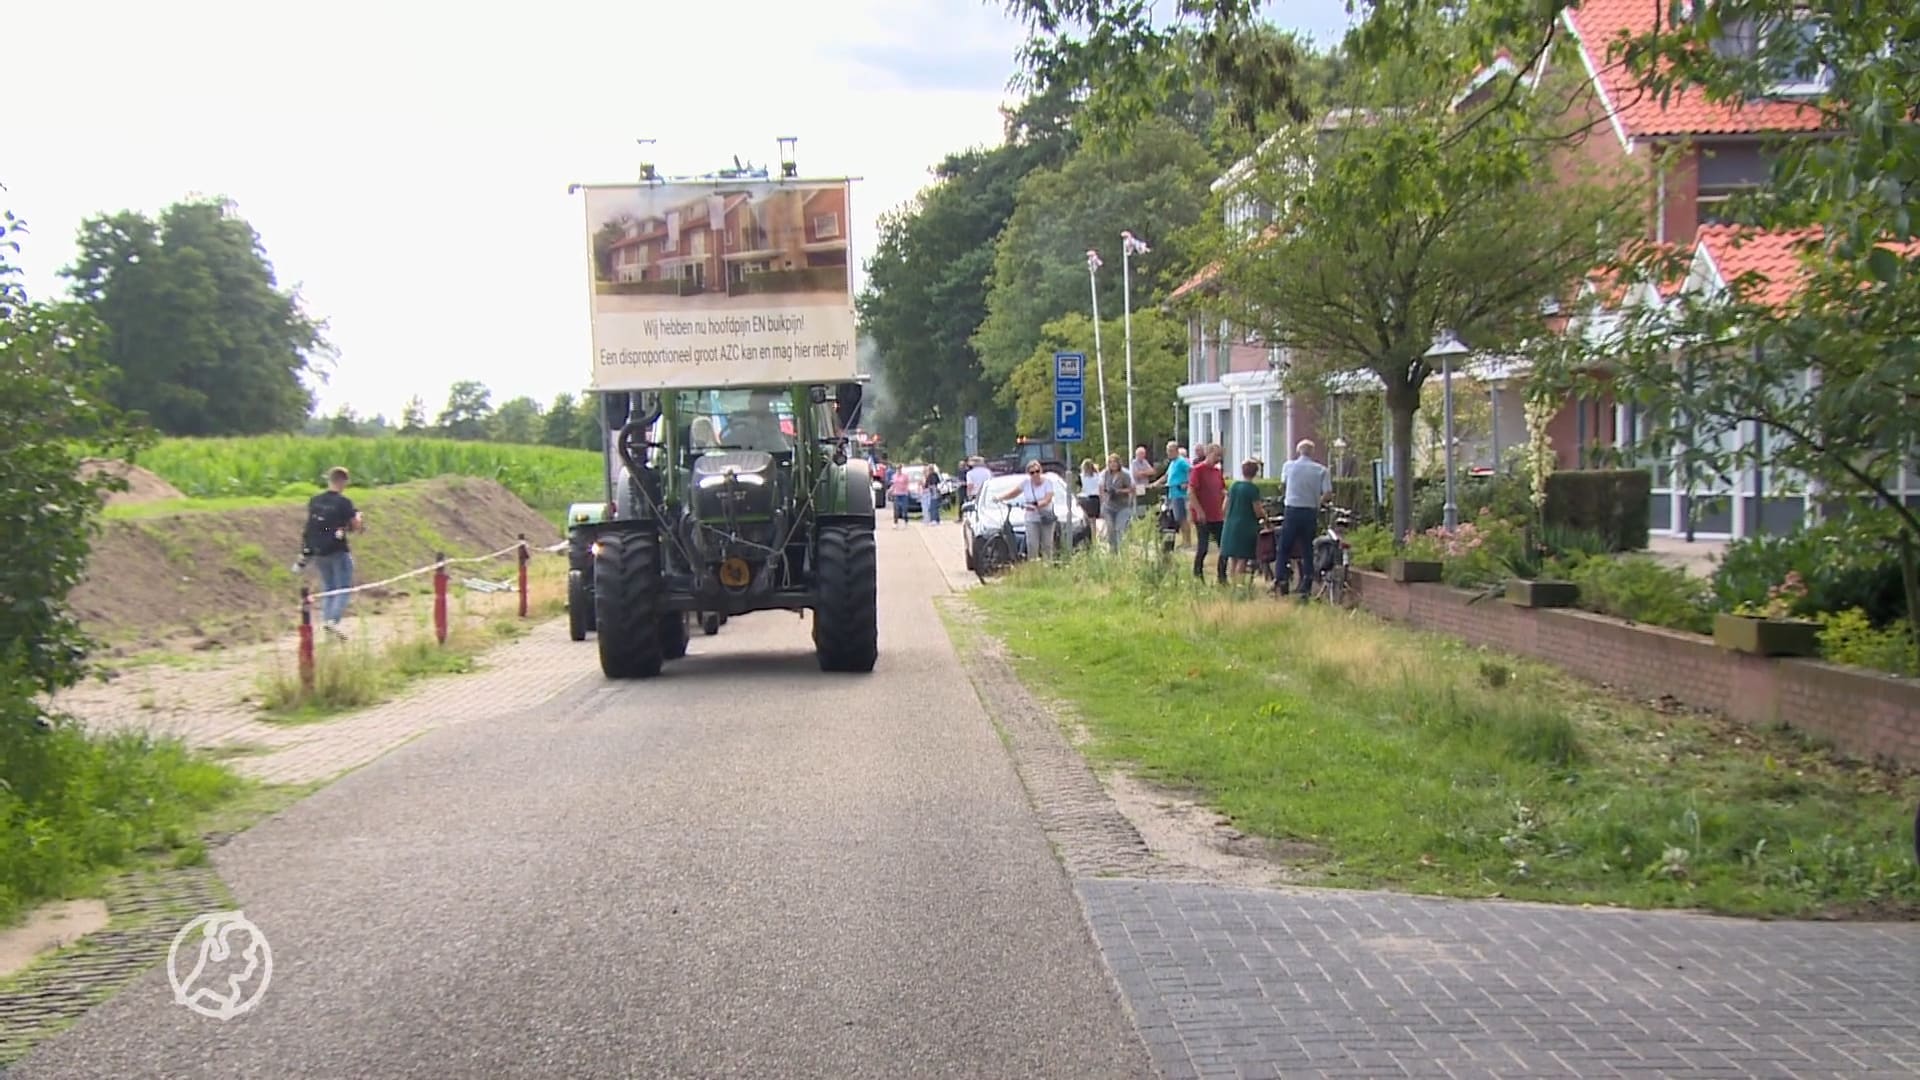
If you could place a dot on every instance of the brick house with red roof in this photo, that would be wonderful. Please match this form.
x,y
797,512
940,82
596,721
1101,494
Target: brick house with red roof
x,y
1693,155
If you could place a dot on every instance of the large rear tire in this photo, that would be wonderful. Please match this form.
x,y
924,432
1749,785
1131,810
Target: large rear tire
x,y
673,635
846,631
627,596
579,607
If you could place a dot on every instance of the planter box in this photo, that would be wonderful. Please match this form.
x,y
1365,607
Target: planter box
x,y
1542,594
1766,637
1408,570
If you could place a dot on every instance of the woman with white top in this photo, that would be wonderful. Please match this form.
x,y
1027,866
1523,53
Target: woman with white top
x,y
1035,494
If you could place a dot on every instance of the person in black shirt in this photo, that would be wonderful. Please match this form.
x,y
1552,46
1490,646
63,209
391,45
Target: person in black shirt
x,y
330,517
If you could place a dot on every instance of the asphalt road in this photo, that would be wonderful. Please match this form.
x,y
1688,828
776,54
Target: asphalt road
x,y
744,868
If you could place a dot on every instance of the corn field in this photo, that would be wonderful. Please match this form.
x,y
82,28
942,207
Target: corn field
x,y
544,477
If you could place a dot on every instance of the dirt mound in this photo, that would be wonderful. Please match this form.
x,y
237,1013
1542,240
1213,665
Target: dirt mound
x,y
215,578
142,486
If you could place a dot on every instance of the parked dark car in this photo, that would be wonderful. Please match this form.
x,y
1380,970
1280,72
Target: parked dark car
x,y
982,521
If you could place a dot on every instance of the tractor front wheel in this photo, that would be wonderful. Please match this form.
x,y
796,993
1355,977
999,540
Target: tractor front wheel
x,y
846,632
627,594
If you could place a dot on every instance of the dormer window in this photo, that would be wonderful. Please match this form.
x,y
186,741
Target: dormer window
x,y
1786,50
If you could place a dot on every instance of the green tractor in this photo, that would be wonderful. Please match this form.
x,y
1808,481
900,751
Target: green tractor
x,y
735,499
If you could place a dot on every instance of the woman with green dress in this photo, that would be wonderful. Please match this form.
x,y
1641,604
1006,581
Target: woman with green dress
x,y
1241,535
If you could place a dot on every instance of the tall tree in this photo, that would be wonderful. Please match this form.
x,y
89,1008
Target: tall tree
x,y
561,427
926,289
468,412
51,412
204,340
344,422
413,417
1154,186
518,420
1412,218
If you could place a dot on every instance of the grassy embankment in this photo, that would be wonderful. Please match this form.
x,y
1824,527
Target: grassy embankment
x,y
1415,762
269,470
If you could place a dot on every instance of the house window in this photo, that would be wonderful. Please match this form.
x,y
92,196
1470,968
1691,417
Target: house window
x,y
700,243
1787,52
826,226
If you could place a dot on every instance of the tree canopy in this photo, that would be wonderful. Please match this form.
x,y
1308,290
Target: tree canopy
x,y
1408,217
202,338
51,412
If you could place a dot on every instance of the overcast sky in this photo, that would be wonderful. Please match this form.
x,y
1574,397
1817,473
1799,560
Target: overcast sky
x,y
406,161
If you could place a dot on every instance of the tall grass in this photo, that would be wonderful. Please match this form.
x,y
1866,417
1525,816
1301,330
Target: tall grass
x,y
1415,761
73,807
545,477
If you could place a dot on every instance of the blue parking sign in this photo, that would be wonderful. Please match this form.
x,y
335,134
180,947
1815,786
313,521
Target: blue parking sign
x,y
1069,420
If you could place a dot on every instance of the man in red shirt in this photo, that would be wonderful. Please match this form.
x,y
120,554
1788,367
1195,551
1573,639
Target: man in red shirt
x,y
1207,506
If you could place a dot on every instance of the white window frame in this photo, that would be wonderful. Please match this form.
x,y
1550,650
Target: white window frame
x,y
826,226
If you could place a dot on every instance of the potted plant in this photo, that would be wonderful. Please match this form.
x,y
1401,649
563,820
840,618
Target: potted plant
x,y
1417,560
1770,629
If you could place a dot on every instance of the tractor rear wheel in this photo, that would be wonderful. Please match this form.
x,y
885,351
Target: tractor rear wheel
x,y
627,595
579,607
846,576
673,635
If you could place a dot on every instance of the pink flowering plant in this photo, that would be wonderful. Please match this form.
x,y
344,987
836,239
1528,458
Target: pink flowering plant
x,y
1783,599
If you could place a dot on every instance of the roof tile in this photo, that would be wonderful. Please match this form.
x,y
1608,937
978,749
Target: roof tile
x,y
1599,23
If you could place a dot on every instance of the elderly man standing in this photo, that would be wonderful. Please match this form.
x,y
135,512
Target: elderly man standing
x,y
1308,484
977,478
1207,505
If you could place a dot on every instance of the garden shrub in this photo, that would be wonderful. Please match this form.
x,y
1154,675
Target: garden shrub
x,y
1355,493
1372,546
1615,503
1849,637
1643,590
1840,569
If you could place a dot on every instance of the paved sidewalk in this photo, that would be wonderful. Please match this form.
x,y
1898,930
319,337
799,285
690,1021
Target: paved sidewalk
x,y
204,707
1256,983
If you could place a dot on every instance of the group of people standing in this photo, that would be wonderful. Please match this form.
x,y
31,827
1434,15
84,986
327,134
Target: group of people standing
x,y
1215,514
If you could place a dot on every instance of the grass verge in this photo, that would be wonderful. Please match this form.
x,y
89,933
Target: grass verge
x,y
75,807
1420,763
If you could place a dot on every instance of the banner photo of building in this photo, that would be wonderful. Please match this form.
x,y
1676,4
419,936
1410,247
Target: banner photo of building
x,y
724,283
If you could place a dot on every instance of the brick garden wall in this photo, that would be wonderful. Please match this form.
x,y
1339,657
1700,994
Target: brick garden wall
x,y
1864,714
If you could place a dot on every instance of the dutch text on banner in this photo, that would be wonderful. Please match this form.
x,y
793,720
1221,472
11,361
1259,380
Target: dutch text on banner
x,y
728,283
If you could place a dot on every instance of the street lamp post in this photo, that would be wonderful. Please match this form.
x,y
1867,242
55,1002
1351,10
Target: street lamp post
x,y
1099,367
1129,247
1445,348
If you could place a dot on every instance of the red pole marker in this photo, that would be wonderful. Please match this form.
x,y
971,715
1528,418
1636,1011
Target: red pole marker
x,y
523,575
440,598
306,639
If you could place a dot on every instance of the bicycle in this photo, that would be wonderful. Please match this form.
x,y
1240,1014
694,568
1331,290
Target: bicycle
x,y
1332,557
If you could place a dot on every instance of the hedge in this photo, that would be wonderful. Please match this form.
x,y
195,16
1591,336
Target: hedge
x,y
1614,503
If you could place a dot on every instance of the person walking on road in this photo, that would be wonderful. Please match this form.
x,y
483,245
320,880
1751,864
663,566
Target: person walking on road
x,y
1035,495
1206,504
1116,501
330,517
1240,537
930,495
1308,484
901,489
